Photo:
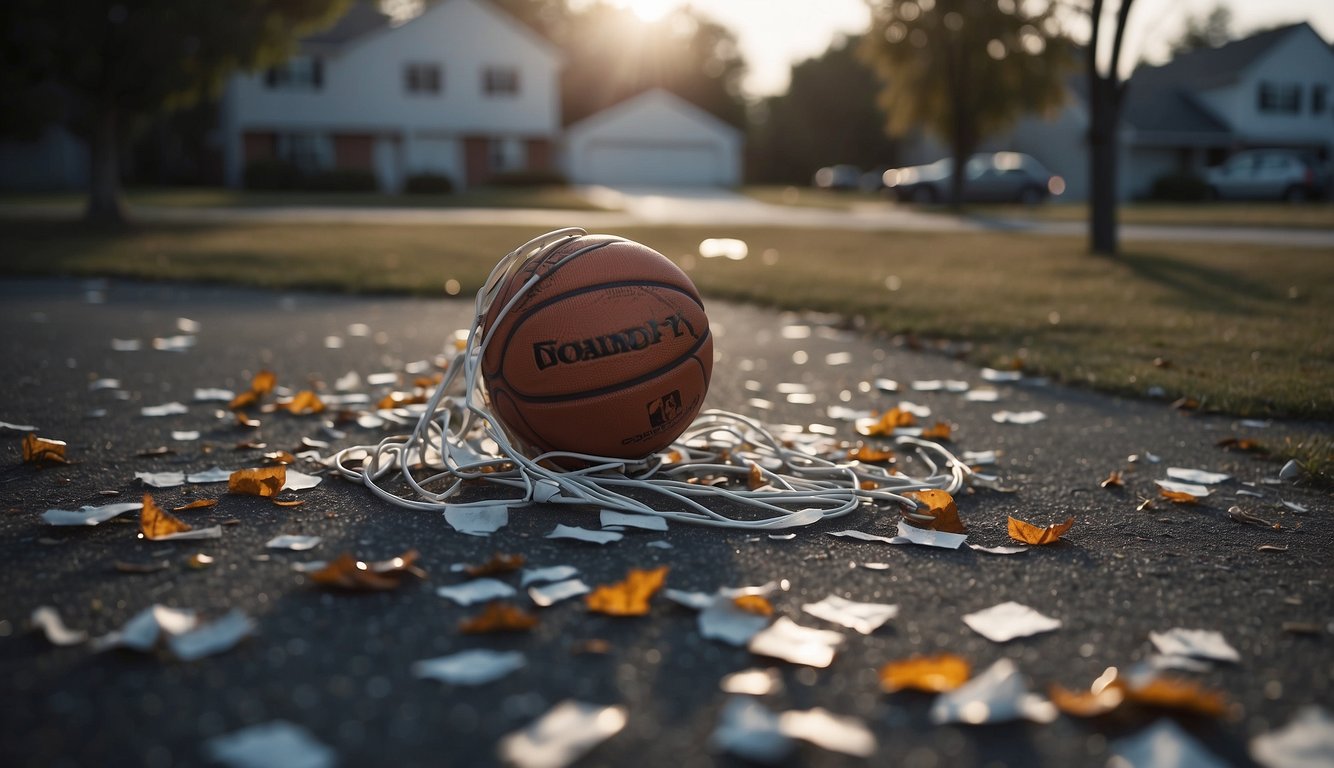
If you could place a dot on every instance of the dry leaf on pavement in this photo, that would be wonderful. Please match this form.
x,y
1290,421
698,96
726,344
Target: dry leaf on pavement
x,y
259,481
629,597
498,617
1032,534
155,523
38,450
940,506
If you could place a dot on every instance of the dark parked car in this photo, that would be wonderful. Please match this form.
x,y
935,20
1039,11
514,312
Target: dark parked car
x,y
989,177
838,177
1267,174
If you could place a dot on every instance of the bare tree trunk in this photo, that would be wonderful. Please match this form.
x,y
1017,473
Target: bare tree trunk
x,y
1103,161
105,205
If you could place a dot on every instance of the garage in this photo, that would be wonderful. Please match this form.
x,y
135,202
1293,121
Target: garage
x,y
654,139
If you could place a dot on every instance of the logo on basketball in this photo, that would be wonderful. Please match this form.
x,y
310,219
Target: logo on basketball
x,y
551,353
665,409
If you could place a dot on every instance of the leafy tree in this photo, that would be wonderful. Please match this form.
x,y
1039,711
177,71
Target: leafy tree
x,y
123,59
965,69
1209,30
1106,94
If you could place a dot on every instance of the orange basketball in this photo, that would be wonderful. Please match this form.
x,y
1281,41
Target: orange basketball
x,y
608,353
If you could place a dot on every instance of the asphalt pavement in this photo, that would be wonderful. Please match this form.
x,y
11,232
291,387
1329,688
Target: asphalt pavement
x,y
339,664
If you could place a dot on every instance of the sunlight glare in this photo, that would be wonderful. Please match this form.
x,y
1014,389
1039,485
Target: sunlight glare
x,y
649,10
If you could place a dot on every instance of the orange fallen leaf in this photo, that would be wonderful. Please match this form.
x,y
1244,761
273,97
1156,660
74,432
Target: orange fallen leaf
x,y
889,421
196,504
499,563
263,382
940,506
868,485
155,523
1177,497
397,399
1032,534
870,454
755,479
37,450
260,481
930,674
244,400
288,502
629,597
305,402
939,431
347,572
1179,694
245,421
1114,480
1087,703
498,616
755,604
1242,444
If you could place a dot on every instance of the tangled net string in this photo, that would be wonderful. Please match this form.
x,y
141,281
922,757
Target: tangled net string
x,y
706,477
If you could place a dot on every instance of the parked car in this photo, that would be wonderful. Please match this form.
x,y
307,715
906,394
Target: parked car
x,y
1267,174
989,177
838,177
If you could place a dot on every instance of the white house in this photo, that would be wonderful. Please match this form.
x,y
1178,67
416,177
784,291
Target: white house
x,y
463,90
1272,89
655,138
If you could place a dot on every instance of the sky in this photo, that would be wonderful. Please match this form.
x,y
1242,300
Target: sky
x,y
774,34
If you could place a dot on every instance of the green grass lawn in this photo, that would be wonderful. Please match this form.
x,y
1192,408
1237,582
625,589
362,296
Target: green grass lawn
x,y
554,197
1309,215
1241,328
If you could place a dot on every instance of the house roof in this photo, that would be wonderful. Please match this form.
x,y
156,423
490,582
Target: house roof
x,y
361,17
647,100
1163,99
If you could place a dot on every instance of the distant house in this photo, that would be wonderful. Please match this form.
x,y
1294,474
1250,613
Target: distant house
x,y
655,138
463,90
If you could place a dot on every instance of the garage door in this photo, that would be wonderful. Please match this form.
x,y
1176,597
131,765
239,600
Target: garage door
x,y
632,163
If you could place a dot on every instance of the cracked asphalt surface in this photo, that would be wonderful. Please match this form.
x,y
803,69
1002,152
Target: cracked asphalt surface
x,y
339,664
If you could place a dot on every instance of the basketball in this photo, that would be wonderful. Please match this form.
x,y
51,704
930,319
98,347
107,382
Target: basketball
x,y
607,353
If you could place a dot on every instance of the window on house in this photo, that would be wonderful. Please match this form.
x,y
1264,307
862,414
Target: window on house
x,y
1280,98
500,81
1319,94
505,154
422,78
307,151
299,73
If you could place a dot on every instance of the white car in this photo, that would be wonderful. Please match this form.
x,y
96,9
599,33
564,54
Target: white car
x,y
1266,174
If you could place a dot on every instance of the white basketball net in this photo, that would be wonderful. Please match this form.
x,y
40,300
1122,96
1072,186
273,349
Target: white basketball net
x,y
726,470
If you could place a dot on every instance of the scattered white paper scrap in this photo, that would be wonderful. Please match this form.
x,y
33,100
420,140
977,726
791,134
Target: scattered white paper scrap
x,y
752,682
1163,745
141,632
161,479
478,666
1198,491
1197,476
1018,417
750,731
300,481
196,534
564,734
997,695
477,521
722,620
166,409
185,435
861,617
1195,643
1003,549
275,744
695,601
789,641
646,522
89,515
562,531
210,475
991,374
4,425
862,536
911,534
476,591
659,544
982,396
48,620
1307,740
550,573
1295,507
178,343
103,384
1004,622
214,637
213,395
126,345
548,595
294,542
835,733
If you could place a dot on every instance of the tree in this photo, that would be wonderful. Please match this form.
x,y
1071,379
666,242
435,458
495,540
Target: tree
x,y
123,60
827,116
965,69
1106,94
1209,30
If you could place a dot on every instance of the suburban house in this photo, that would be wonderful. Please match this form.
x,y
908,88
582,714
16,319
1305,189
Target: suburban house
x,y
1272,89
655,138
463,90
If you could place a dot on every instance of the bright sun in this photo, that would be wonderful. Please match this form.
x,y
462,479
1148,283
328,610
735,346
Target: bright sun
x,y
649,10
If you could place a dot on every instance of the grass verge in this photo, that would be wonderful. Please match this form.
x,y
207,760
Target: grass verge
x,y
1240,328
